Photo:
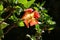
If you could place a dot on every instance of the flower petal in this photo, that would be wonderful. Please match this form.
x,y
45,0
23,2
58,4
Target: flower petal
x,y
36,14
29,10
26,22
25,16
33,22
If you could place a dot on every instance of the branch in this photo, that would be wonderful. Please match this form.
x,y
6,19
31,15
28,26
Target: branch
x,y
10,28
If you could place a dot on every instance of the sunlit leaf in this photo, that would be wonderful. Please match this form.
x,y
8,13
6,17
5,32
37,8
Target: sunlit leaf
x,y
21,24
3,25
22,1
1,7
15,1
36,8
37,27
42,3
29,3
17,7
51,28
1,19
33,38
46,14
26,3
51,22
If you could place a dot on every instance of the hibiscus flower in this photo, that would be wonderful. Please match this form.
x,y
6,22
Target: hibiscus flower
x,y
30,17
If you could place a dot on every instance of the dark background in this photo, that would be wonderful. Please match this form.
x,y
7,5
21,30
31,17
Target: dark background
x,y
53,7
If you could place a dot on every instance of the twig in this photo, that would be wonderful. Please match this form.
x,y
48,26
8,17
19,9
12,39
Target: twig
x,y
6,18
10,29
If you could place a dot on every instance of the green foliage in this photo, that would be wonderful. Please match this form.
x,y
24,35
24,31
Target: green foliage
x,y
1,32
14,18
51,28
3,25
1,7
51,22
37,27
26,3
16,9
21,24
33,38
36,8
42,4
1,19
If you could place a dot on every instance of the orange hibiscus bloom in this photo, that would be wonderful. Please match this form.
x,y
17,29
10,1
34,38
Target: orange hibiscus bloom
x,y
30,17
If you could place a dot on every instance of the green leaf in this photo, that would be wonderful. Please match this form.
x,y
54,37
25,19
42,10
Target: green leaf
x,y
46,14
29,3
26,3
21,24
37,27
17,7
3,25
19,12
1,7
33,38
38,5
36,8
44,10
1,32
15,1
51,28
1,19
42,3
51,22
14,18
22,1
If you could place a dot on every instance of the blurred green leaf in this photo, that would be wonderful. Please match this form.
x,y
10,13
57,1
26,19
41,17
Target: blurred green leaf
x,y
36,8
1,32
17,7
3,25
14,18
1,7
18,10
42,4
21,24
29,3
1,19
51,22
46,15
37,27
51,28
33,38
38,5
10,1
44,10
15,1
22,1
26,3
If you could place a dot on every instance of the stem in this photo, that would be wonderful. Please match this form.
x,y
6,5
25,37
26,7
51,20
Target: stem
x,y
0,38
10,28
6,18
